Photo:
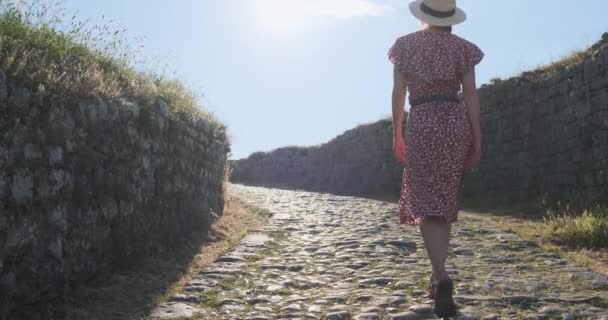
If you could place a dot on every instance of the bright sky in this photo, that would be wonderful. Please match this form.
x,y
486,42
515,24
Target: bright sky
x,y
300,72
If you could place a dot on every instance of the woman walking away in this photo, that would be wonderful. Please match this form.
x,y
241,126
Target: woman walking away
x,y
443,136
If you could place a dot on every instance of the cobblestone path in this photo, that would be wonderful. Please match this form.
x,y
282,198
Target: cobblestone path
x,y
323,256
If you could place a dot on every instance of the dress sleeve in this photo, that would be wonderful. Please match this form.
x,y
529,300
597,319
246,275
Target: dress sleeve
x,y
396,53
471,56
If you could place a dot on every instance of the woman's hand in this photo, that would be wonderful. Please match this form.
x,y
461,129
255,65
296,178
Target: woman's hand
x,y
399,148
472,163
471,99
398,102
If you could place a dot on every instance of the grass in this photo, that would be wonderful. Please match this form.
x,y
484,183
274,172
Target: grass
x,y
559,65
575,57
132,294
541,72
590,229
227,284
210,298
580,237
49,53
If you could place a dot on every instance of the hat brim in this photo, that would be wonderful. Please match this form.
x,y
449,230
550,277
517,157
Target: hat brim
x,y
458,17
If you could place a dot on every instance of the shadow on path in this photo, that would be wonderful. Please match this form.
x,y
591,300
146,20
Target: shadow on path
x,y
132,293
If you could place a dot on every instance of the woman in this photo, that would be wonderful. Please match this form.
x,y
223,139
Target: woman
x,y
443,136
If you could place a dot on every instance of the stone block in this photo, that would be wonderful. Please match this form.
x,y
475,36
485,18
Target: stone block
x,y
32,152
55,155
560,102
58,180
604,56
600,152
3,91
58,218
563,87
523,158
601,177
3,186
599,119
591,69
598,100
600,138
162,107
22,187
128,109
18,102
8,283
525,129
567,116
599,83
61,126
88,111
3,156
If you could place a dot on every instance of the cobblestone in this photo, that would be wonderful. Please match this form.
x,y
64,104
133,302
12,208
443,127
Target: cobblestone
x,y
323,256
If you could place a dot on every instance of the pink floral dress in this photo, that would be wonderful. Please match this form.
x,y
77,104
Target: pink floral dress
x,y
438,134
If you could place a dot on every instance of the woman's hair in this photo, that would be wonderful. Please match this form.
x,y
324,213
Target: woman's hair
x,y
442,28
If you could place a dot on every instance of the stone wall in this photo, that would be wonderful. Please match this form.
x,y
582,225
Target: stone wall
x,y
544,133
358,162
88,186
547,134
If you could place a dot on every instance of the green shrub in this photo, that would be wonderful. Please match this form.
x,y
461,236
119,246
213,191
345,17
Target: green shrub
x,y
589,229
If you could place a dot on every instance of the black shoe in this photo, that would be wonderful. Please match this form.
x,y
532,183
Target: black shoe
x,y
444,302
431,290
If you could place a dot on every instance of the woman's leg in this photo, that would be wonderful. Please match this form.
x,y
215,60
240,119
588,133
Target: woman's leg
x,y
436,235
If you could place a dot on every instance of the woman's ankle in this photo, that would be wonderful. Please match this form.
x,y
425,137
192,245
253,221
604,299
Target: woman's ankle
x,y
438,276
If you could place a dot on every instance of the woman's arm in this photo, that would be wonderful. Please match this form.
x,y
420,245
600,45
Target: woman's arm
x,y
471,100
398,102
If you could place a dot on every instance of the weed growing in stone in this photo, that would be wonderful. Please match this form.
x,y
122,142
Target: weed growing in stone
x,y
210,298
228,284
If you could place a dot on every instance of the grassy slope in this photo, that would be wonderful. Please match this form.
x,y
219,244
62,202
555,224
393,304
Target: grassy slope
x,y
582,237
48,53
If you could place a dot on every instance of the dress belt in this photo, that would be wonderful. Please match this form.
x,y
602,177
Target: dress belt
x,y
422,100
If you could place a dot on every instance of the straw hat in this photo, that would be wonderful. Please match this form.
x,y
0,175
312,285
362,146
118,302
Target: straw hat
x,y
438,12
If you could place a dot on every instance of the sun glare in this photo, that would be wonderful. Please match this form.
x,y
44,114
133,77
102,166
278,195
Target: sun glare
x,y
285,16
281,16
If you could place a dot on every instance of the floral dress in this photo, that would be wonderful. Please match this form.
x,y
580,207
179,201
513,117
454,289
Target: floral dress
x,y
438,135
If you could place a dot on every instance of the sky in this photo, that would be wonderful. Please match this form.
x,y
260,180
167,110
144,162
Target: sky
x,y
300,72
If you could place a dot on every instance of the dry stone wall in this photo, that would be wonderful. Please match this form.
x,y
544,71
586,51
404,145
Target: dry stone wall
x,y
87,186
547,134
358,162
544,133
